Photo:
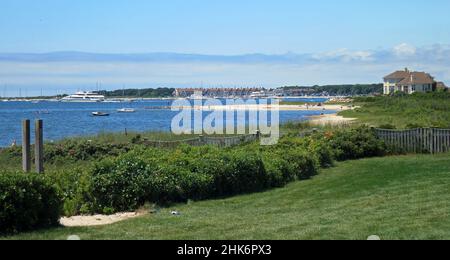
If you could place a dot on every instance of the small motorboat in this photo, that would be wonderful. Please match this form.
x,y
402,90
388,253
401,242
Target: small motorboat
x,y
126,110
99,114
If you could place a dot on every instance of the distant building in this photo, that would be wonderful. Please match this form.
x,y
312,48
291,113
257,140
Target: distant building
x,y
216,92
409,82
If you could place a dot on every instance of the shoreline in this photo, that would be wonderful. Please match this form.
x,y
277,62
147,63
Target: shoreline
x,y
305,107
330,119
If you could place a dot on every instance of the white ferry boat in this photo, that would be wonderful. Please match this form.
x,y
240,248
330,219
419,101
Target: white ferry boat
x,y
83,96
259,94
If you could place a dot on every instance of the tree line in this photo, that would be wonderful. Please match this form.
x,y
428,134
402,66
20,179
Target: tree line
x,y
344,90
144,93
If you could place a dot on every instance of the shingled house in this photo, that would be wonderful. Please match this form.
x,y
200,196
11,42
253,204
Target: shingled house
x,y
409,82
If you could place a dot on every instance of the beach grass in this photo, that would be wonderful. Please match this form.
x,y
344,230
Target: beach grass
x,y
403,111
402,197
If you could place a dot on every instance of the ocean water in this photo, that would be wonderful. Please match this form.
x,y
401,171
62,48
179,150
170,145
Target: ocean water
x,y
62,120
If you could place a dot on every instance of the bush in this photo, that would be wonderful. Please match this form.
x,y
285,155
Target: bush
x,y
318,145
27,202
74,186
357,143
243,172
82,150
300,163
119,185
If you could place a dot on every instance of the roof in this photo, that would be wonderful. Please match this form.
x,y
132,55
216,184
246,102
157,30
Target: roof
x,y
406,77
417,78
401,74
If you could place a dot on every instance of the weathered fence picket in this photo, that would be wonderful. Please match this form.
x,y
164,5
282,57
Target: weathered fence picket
x,y
422,140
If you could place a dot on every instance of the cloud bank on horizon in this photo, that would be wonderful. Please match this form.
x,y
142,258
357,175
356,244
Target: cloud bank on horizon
x,y
65,72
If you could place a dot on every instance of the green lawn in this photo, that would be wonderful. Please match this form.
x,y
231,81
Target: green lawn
x,y
404,197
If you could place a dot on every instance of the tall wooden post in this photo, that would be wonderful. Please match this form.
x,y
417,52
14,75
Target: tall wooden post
x,y
26,147
39,147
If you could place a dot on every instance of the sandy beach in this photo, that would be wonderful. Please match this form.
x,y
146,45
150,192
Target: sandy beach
x,y
326,119
325,107
331,119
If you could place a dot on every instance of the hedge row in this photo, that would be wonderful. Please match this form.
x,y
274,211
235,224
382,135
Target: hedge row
x,y
27,202
194,173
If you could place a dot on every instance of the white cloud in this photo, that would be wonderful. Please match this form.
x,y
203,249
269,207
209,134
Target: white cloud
x,y
345,55
404,49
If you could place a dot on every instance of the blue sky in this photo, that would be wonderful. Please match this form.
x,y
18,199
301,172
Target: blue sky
x,y
219,26
322,28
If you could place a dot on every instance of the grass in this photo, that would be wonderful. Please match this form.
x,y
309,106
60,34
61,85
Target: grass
x,y
404,111
404,197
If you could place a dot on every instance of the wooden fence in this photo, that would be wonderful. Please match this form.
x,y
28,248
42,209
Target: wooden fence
x,y
423,140
206,140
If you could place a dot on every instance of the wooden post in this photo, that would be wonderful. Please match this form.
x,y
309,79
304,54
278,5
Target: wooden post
x,y
39,147
26,147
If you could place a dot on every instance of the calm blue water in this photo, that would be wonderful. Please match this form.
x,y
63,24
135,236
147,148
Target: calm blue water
x,y
63,120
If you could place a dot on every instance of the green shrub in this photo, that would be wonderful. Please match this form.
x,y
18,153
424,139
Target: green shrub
x,y
276,170
83,150
318,145
74,186
357,143
243,172
27,202
302,163
119,184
